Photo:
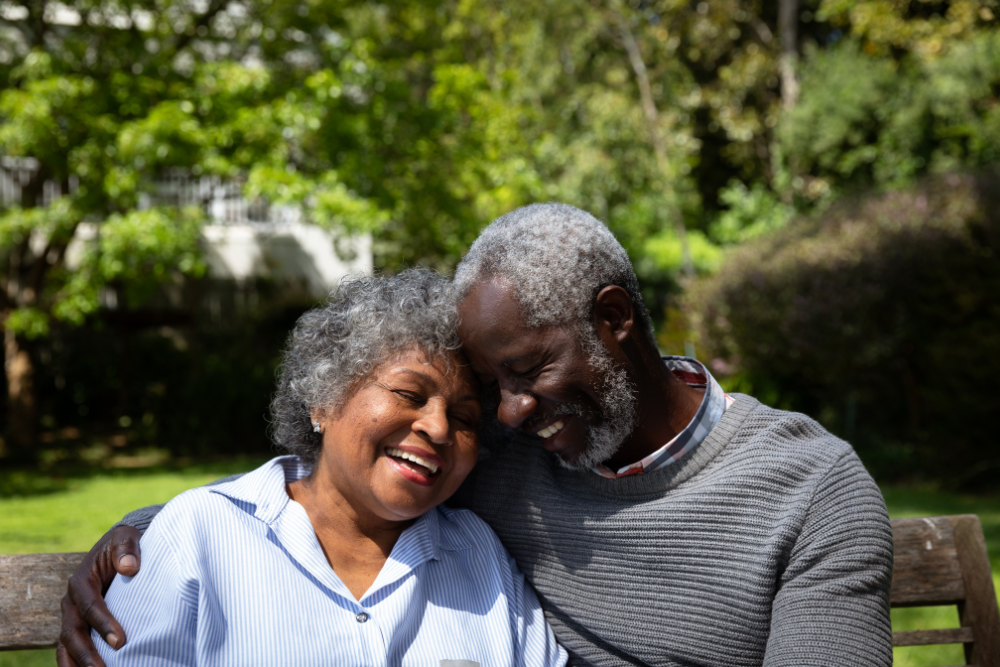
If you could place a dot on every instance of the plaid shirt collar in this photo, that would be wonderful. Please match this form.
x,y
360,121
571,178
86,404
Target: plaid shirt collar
x,y
713,404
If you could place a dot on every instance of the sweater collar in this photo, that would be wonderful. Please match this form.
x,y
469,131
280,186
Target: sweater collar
x,y
714,403
671,476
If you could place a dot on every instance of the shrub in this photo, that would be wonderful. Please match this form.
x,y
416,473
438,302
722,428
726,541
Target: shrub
x,y
881,317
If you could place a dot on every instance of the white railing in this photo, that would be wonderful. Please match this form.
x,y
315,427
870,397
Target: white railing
x,y
222,200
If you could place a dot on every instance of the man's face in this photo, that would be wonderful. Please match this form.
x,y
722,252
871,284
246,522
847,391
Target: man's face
x,y
549,382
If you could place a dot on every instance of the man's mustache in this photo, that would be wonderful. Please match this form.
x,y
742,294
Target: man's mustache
x,y
492,430
561,410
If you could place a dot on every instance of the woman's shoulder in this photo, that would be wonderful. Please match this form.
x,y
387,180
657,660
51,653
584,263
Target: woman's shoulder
x,y
185,513
245,499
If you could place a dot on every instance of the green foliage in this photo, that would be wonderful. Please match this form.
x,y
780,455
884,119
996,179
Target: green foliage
x,y
28,322
905,95
147,244
751,212
417,123
847,96
878,317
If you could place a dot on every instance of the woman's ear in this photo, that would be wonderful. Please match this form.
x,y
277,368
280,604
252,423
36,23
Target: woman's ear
x,y
614,314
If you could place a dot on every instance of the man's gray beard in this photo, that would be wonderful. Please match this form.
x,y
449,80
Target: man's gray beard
x,y
615,423
618,401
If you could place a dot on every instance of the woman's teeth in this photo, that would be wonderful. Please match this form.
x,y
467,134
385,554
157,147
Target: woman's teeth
x,y
400,454
550,431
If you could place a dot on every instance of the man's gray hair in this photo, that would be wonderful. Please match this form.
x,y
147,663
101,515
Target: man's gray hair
x,y
365,322
556,259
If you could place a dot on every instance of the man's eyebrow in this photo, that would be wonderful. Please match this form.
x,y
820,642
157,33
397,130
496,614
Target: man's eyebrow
x,y
527,356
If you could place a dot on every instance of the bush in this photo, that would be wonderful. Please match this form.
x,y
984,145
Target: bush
x,y
881,318
120,387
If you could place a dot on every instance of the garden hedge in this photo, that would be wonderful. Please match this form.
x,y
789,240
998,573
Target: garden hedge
x,y
880,317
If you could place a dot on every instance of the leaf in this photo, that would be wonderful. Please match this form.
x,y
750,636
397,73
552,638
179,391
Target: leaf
x,y
28,322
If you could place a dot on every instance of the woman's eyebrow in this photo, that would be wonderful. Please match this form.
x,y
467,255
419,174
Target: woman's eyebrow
x,y
422,377
429,380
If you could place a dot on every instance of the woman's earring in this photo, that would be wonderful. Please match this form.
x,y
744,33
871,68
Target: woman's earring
x,y
317,428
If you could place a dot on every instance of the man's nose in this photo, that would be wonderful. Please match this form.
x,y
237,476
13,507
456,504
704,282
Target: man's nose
x,y
515,408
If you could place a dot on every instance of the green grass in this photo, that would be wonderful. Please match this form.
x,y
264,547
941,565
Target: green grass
x,y
41,513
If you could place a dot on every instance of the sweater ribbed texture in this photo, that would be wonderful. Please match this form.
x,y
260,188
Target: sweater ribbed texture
x,y
769,544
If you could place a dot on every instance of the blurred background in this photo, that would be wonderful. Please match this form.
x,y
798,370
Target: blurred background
x,y
809,191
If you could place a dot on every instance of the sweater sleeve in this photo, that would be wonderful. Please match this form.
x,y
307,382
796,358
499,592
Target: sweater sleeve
x,y
832,604
142,517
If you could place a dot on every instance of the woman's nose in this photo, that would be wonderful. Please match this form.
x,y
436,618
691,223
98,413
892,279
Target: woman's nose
x,y
515,408
434,424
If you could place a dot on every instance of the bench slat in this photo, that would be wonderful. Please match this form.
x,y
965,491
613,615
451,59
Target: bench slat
x,y
926,637
926,570
31,587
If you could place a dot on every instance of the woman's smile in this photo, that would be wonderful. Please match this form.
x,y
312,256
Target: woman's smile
x,y
404,440
414,464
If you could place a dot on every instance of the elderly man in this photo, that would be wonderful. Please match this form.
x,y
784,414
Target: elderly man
x,y
661,521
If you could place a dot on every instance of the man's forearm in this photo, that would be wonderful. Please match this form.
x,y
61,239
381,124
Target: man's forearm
x,y
140,518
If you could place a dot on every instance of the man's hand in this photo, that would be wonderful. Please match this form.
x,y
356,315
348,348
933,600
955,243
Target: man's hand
x,y
83,606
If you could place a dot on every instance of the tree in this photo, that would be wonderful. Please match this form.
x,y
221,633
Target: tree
x,y
100,100
417,122
904,90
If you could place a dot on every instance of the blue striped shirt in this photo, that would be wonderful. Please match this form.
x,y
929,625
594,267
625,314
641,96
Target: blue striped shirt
x,y
233,575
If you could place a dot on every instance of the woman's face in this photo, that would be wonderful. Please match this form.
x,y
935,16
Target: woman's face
x,y
405,439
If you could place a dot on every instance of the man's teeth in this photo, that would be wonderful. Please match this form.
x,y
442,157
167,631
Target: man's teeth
x,y
400,454
549,431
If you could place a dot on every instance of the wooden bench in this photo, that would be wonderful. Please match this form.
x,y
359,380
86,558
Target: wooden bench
x,y
31,587
938,561
942,560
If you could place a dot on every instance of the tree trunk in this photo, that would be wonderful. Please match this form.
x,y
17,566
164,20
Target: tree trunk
x,y
673,213
21,427
788,31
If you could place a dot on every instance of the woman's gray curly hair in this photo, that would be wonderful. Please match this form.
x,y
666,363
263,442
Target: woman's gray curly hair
x,y
364,323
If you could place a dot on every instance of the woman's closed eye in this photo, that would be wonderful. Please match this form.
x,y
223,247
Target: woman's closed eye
x,y
410,396
464,419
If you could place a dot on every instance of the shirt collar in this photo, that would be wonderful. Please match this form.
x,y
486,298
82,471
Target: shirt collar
x,y
713,405
262,493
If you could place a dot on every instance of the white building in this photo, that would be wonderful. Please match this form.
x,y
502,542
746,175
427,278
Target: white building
x,y
248,240
244,241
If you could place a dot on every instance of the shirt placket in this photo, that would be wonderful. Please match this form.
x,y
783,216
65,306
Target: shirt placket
x,y
371,637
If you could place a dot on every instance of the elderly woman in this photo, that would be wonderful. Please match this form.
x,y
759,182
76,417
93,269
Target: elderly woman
x,y
339,553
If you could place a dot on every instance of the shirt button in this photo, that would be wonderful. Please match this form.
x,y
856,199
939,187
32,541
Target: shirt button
x,y
361,617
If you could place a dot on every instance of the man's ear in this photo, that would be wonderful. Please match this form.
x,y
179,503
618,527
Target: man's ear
x,y
614,313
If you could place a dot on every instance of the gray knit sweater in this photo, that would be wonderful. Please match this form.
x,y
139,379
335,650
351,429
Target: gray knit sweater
x,y
769,544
